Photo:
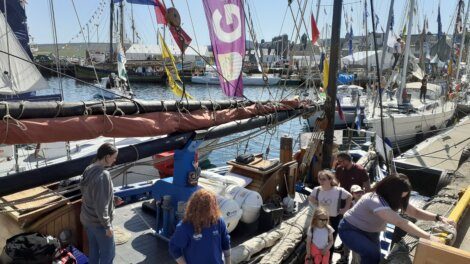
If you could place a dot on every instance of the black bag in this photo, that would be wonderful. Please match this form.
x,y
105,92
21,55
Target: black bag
x,y
245,158
30,248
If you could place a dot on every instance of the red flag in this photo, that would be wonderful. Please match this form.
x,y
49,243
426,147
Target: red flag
x,y
315,31
340,110
160,12
181,38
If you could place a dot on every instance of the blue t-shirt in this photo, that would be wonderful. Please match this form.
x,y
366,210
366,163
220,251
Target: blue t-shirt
x,y
203,248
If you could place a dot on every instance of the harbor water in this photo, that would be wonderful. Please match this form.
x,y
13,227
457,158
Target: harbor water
x,y
266,143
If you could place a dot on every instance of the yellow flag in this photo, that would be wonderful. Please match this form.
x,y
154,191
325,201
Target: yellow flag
x,y
326,70
171,71
449,68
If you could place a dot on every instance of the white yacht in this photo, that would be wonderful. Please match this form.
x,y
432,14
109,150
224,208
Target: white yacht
x,y
407,124
348,96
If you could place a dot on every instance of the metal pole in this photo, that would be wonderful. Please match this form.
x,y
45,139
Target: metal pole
x,y
379,89
111,21
330,102
318,11
462,41
407,53
387,31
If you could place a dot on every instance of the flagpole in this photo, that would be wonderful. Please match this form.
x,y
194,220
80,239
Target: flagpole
x,y
464,31
331,89
318,11
407,53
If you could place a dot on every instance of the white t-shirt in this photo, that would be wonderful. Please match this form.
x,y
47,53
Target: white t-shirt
x,y
329,199
320,236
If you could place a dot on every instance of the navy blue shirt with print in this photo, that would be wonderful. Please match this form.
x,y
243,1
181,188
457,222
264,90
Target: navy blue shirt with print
x,y
203,248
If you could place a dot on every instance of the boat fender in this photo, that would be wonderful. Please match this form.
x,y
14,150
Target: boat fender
x,y
216,177
249,201
231,212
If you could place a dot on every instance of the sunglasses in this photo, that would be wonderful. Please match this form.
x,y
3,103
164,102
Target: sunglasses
x,y
323,220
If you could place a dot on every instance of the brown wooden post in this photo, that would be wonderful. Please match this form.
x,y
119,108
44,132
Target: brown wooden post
x,y
286,149
285,157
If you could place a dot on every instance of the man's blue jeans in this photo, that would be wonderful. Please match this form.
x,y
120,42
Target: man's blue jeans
x,y
366,244
101,247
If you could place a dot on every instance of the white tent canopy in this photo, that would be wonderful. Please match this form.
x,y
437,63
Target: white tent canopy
x,y
359,58
144,52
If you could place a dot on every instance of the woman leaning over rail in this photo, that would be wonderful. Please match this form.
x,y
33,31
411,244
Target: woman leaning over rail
x,y
360,227
202,236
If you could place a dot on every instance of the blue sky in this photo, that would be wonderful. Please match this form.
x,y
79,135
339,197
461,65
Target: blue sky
x,y
268,18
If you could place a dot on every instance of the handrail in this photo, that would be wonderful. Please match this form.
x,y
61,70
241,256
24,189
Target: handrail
x,y
459,209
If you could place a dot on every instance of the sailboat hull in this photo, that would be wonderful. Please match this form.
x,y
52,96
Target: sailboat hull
x,y
87,73
404,130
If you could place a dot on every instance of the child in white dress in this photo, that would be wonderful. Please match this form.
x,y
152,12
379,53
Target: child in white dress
x,y
319,238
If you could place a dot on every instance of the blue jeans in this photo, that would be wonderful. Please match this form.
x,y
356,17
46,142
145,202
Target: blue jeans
x,y
366,244
100,246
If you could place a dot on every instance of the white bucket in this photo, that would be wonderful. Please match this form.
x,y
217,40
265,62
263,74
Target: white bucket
x,y
231,212
249,201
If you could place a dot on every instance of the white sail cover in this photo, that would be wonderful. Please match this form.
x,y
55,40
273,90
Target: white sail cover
x,y
17,73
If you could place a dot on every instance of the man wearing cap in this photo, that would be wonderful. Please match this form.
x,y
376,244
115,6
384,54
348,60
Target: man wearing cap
x,y
349,173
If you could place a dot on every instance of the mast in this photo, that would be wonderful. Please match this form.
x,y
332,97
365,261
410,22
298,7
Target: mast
x,y
462,41
133,24
121,8
318,10
421,50
330,103
111,21
387,32
367,42
407,53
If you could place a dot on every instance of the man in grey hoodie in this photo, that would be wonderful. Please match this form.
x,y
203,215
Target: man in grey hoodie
x,y
98,205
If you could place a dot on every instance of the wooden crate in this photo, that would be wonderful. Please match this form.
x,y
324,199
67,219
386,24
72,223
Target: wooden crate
x,y
26,206
264,173
57,214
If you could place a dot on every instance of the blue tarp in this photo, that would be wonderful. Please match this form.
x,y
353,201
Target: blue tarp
x,y
345,78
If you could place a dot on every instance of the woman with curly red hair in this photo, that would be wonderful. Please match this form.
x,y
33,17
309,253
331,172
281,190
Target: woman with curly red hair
x,y
202,236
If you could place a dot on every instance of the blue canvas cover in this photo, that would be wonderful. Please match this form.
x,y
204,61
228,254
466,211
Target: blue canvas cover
x,y
345,78
16,17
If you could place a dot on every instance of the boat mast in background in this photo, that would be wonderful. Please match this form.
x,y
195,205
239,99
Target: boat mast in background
x,y
407,53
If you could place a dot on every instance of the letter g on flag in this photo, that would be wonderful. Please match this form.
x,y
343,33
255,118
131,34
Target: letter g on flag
x,y
230,11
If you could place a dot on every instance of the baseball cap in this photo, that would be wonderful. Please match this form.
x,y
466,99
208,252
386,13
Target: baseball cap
x,y
356,188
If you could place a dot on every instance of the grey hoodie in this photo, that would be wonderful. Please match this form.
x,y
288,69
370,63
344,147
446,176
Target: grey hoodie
x,y
97,197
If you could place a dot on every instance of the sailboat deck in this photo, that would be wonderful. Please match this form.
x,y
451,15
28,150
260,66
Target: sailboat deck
x,y
441,152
